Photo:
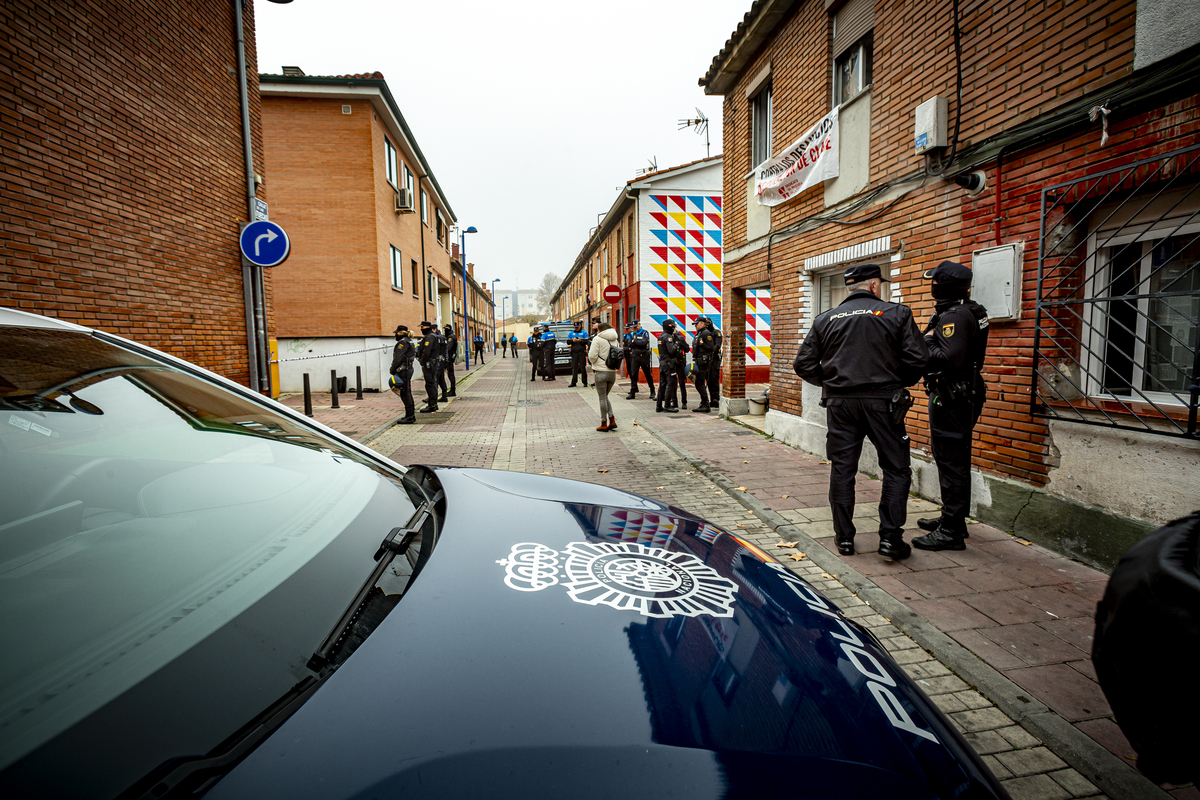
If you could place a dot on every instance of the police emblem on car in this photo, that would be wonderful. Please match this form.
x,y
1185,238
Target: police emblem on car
x,y
630,577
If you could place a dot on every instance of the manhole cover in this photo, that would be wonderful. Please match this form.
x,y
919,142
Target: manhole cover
x,y
531,402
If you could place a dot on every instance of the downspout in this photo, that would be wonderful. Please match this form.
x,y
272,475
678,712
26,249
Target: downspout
x,y
421,229
250,283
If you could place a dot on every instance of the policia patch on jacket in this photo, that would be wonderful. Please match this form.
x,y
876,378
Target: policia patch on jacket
x,y
948,330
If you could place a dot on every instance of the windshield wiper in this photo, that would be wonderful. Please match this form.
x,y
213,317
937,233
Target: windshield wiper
x,y
395,543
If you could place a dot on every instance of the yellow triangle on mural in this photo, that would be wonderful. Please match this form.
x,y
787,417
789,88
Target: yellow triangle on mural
x,y
661,269
678,302
679,217
715,269
698,220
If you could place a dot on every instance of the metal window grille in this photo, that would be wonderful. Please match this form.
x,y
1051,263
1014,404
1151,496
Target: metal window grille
x,y
1118,297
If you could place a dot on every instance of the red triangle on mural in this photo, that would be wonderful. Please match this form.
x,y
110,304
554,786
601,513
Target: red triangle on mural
x,y
698,269
698,236
678,286
661,252
715,219
661,219
660,286
661,302
681,252
765,335
715,200
679,201
715,252
714,304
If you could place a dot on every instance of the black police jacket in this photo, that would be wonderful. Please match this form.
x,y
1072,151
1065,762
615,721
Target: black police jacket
x,y
959,340
671,347
865,347
402,357
451,351
706,347
430,349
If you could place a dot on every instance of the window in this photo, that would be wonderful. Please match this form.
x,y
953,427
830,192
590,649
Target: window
x,y
852,71
424,208
1149,336
441,227
416,276
408,179
389,161
760,125
853,26
397,269
830,289
433,286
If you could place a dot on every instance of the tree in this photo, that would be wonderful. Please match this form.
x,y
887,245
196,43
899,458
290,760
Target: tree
x,y
546,289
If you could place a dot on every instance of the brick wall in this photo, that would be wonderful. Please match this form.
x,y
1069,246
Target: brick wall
x,y
123,178
1020,60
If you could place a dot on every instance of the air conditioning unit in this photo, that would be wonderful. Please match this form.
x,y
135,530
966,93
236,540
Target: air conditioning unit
x,y
404,201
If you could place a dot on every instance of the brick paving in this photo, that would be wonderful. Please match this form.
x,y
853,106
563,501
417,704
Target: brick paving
x,y
1016,610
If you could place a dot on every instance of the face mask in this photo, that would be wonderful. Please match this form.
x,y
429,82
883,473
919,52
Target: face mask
x,y
949,290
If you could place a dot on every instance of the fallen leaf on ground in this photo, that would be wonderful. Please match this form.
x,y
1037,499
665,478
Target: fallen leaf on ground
x,y
660,487
693,472
1022,541
796,556
745,462
601,470
782,543
784,496
543,473
743,448
647,441
826,575
738,524
742,489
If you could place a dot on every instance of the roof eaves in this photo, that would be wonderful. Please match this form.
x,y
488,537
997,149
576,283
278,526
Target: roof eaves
x,y
376,80
756,27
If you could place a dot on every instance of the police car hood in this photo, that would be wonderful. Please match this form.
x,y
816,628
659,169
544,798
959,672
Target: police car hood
x,y
573,640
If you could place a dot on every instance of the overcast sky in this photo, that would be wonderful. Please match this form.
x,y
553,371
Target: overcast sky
x,y
531,114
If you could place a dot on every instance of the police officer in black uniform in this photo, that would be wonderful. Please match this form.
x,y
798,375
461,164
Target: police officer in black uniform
x,y
672,360
638,347
446,380
864,354
957,337
706,354
579,343
534,345
429,356
402,371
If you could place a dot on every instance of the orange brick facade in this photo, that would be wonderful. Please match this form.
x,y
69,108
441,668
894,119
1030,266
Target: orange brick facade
x,y
330,191
1021,63
123,175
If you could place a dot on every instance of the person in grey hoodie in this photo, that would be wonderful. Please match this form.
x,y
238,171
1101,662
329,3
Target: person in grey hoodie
x,y
605,378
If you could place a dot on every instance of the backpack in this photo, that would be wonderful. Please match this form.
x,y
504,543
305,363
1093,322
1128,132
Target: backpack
x,y
614,358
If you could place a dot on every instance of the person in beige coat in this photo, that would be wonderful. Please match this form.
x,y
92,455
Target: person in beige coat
x,y
605,378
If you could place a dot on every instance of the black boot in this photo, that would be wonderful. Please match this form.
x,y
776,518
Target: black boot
x,y
845,546
658,409
409,420
701,410
631,396
894,549
933,523
941,539
428,409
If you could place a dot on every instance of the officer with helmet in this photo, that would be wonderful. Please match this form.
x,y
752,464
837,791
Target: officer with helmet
x,y
402,371
706,352
957,337
864,353
430,352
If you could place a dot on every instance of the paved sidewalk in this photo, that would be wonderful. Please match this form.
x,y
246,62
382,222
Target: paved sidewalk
x,y
998,635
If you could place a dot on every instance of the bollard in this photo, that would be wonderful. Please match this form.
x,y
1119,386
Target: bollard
x,y
307,397
358,383
333,388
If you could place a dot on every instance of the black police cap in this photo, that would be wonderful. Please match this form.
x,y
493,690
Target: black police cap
x,y
862,272
401,328
949,272
426,323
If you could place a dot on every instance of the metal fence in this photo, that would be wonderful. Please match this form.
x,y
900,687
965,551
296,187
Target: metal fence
x,y
1118,297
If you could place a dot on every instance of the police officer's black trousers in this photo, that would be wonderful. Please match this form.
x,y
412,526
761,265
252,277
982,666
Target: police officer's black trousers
x,y
535,365
479,353
548,363
431,375
670,377
639,363
403,390
951,426
578,366
850,420
505,349
446,381
714,383
700,371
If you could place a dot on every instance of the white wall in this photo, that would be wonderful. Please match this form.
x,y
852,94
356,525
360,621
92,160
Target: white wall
x,y
296,356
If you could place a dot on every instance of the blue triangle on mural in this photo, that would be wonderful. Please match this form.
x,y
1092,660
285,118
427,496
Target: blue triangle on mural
x,y
659,318
698,202
698,286
716,235
662,236
678,235
764,320
716,287
661,286
659,201
697,252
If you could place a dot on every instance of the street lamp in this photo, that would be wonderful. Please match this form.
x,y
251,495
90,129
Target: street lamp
x,y
462,249
494,282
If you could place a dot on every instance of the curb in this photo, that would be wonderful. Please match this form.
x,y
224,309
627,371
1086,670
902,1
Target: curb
x,y
1108,772
460,382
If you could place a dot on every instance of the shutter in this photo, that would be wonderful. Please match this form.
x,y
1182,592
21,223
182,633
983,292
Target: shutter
x,y
851,22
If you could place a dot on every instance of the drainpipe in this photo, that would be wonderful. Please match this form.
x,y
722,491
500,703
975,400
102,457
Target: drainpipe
x,y
251,283
421,229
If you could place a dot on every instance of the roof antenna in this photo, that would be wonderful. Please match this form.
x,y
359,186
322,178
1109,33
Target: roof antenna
x,y
701,124
653,162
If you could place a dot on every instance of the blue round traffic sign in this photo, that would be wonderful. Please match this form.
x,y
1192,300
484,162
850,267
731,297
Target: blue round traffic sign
x,y
264,243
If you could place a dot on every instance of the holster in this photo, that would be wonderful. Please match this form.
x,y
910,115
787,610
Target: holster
x,y
899,404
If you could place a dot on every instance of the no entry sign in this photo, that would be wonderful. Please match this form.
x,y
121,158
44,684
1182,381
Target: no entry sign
x,y
612,293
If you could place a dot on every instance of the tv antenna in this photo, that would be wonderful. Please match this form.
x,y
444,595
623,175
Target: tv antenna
x,y
701,124
653,162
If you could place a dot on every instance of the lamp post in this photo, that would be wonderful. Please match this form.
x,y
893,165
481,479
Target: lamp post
x,y
494,282
462,250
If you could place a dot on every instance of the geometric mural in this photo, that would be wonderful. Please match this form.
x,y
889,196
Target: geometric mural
x,y
758,327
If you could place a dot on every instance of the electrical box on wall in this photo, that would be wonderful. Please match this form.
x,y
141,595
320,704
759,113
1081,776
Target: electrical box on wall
x,y
996,280
930,129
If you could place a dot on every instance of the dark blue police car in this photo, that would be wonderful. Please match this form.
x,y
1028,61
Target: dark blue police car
x,y
203,593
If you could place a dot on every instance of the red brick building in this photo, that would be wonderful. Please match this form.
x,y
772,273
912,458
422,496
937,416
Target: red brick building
x,y
124,179
369,224
1079,122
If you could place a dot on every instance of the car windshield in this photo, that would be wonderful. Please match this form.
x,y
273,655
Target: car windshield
x,y
155,525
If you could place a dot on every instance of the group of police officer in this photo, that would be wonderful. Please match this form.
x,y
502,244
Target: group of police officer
x,y
435,352
864,354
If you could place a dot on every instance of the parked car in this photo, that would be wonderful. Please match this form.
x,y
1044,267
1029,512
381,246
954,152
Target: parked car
x,y
206,593
562,350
